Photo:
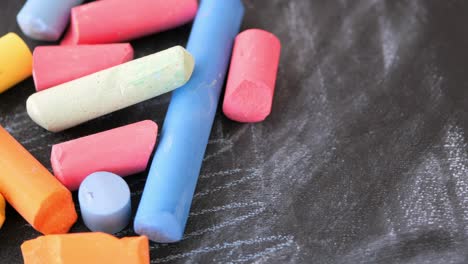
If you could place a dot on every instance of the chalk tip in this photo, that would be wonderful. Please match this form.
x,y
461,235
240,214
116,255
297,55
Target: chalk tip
x,y
164,228
249,103
189,65
37,29
36,115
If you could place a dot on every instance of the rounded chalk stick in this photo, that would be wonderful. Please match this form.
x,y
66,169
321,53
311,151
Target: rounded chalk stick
x,y
54,65
252,76
15,61
114,21
45,19
124,151
105,202
78,101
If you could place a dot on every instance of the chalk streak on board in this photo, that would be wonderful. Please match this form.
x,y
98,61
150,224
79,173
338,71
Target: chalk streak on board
x,y
227,207
289,240
455,147
230,222
254,174
220,173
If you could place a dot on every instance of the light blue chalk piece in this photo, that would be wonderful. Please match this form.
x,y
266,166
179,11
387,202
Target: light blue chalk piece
x,y
45,19
105,202
165,204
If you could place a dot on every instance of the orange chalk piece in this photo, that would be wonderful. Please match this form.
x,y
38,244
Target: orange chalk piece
x,y
86,248
15,61
2,210
32,190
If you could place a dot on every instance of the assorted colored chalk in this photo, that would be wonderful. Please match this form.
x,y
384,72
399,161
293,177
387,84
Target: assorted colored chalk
x,y
54,65
45,19
165,204
104,92
15,61
2,210
82,248
116,20
105,202
252,76
30,188
124,151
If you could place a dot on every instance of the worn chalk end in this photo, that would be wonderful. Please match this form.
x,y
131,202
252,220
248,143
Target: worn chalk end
x,y
35,114
37,29
57,214
189,64
249,103
163,229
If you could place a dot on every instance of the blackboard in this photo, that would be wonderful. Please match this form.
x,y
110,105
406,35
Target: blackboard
x,y
364,158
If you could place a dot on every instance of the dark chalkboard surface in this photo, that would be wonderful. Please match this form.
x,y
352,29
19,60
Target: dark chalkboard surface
x,y
363,160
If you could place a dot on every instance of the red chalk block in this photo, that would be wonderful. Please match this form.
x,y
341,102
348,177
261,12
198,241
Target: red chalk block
x,y
122,151
116,20
252,76
54,65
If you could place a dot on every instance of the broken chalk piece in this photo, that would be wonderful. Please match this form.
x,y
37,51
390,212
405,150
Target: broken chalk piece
x,y
54,65
45,19
30,188
165,204
124,151
82,248
252,76
15,61
105,202
2,210
116,20
104,92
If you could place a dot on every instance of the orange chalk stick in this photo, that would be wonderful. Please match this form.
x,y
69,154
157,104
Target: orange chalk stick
x,y
32,190
85,248
2,210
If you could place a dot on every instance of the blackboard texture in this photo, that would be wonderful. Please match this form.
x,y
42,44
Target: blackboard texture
x,y
363,160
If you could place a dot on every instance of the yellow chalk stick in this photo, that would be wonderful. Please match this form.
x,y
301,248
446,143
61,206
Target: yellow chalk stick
x,y
15,61
2,210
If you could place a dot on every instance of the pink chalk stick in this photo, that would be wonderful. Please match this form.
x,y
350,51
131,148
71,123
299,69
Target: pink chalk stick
x,y
252,76
122,151
54,65
116,20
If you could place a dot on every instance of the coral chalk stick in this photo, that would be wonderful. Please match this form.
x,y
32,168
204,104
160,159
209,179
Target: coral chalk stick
x,y
82,248
32,190
15,61
124,151
116,20
54,65
252,76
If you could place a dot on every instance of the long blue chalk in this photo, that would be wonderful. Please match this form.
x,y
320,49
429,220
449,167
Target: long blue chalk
x,y
165,204
45,19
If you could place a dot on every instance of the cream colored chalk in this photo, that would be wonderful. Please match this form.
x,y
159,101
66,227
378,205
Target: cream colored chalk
x,y
101,93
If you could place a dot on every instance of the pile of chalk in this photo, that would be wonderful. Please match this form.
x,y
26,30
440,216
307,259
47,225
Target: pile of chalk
x,y
92,73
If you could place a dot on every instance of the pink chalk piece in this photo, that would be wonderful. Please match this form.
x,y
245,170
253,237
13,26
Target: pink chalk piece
x,y
54,65
116,20
252,76
123,151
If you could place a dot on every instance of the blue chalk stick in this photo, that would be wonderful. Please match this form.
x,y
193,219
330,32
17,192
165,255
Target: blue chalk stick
x,y
165,204
105,202
45,19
